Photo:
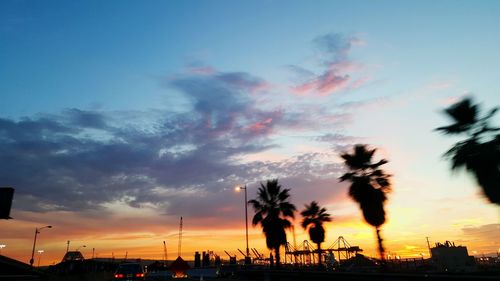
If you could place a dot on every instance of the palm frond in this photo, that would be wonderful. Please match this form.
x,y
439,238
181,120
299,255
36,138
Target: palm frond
x,y
347,176
465,116
463,112
257,218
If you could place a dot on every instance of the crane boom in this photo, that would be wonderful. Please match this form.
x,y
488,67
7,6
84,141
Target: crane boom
x,y
242,253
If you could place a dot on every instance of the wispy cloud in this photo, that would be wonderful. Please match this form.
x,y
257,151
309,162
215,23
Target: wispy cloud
x,y
82,161
336,64
485,232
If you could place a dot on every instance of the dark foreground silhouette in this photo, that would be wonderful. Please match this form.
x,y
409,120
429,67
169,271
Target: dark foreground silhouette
x,y
479,154
272,210
369,186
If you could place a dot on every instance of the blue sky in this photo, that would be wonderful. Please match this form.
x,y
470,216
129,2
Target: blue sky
x,y
131,97
103,44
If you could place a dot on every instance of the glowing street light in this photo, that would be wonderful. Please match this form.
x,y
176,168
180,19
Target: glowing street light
x,y
39,256
239,188
1,247
37,230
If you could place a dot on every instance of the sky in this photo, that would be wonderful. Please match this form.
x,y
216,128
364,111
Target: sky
x,y
119,117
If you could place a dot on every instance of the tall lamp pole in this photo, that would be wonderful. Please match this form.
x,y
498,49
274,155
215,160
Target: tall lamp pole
x,y
37,230
246,217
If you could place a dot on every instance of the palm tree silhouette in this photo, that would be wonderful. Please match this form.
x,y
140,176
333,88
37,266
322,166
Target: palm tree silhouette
x,y
314,217
480,152
369,186
271,211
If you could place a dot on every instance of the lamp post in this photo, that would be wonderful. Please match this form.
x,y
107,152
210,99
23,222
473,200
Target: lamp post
x,y
238,188
1,247
37,230
39,256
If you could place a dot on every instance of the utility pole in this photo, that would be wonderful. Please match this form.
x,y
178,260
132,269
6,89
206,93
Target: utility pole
x,y
247,255
180,239
165,253
246,221
37,231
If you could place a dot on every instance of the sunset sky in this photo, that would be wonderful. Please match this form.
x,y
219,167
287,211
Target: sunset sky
x,y
119,117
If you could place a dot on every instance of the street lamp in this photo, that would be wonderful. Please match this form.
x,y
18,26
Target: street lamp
x,y
1,247
82,246
238,188
40,256
37,230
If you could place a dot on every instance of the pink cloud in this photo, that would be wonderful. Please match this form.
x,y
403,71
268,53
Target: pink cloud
x,y
345,66
358,83
323,85
260,87
337,75
261,127
331,82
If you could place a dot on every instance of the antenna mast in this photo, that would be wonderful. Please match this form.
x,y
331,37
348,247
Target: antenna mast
x,y
180,239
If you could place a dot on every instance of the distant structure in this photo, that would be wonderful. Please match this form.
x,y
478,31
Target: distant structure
x,y
305,253
448,257
206,259
73,256
179,268
344,250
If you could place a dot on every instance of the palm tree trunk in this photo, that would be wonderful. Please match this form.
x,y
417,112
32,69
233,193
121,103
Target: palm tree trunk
x,y
319,253
381,249
277,254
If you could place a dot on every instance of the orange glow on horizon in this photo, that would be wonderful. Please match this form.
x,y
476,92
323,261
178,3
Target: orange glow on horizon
x,y
148,244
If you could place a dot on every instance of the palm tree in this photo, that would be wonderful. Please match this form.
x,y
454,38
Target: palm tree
x,y
369,187
314,217
272,211
480,152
